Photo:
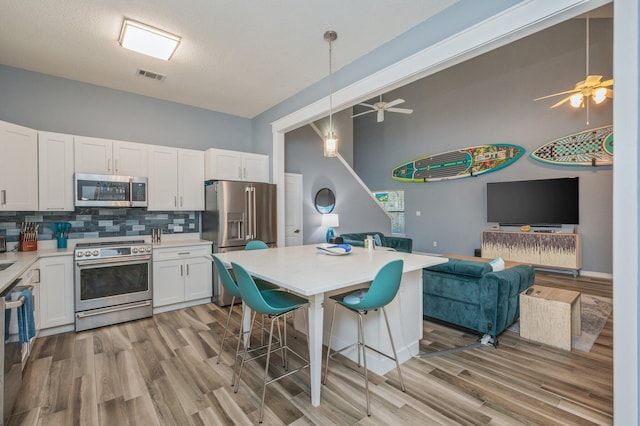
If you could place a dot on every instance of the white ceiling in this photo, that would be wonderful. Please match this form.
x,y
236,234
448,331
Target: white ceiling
x,y
236,57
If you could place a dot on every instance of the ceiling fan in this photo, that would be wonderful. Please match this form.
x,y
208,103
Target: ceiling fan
x,y
591,87
380,107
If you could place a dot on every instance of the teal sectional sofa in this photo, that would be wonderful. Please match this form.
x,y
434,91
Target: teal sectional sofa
x,y
398,243
470,295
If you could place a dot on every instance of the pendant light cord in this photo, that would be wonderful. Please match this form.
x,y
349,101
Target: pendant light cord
x,y
330,90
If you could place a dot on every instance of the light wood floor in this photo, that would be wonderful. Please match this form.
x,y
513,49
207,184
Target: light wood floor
x,y
162,370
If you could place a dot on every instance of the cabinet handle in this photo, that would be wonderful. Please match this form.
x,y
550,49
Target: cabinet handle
x,y
244,172
240,172
109,164
181,270
36,276
115,162
181,201
187,269
3,197
184,253
175,201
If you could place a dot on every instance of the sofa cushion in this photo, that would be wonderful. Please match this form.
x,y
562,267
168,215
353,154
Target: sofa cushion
x,y
462,267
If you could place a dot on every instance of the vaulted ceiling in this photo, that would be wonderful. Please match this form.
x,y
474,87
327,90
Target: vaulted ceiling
x,y
235,57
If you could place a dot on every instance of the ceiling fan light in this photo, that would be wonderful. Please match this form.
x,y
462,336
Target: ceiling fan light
x,y
331,145
576,100
599,95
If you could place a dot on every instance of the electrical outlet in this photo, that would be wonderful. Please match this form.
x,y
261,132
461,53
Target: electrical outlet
x,y
177,228
418,213
435,244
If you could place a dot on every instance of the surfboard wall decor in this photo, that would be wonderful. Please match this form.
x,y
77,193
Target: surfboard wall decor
x,y
589,148
465,162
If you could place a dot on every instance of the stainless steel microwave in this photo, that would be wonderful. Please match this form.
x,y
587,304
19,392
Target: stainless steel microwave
x,y
93,190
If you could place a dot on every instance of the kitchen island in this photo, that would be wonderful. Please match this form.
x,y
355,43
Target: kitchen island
x,y
314,275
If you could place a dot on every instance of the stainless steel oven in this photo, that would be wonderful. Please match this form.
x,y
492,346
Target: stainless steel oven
x,y
113,283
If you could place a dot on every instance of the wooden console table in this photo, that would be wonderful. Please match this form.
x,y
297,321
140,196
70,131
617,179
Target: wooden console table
x,y
550,316
551,250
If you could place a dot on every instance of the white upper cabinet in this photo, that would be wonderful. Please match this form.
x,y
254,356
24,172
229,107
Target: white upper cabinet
x,y
55,165
222,164
190,179
176,179
107,157
18,168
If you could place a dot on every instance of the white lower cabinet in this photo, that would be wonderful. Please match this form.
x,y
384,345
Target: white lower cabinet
x,y
181,276
56,291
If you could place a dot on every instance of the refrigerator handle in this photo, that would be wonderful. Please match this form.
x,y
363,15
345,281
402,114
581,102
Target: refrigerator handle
x,y
249,213
254,221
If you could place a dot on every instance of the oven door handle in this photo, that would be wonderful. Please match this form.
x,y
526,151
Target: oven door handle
x,y
141,259
14,303
108,311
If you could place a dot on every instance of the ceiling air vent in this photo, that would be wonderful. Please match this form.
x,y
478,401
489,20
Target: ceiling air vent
x,y
152,75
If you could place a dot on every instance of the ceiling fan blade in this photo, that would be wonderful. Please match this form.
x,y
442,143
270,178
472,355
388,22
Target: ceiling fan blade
x,y
557,94
363,113
368,105
607,83
400,110
567,99
380,115
393,103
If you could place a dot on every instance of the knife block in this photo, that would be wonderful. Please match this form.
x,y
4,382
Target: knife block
x,y
27,245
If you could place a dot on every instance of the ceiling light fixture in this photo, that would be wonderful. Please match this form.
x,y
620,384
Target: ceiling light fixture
x,y
148,40
330,142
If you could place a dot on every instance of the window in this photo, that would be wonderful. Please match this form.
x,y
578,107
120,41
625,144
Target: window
x,y
393,203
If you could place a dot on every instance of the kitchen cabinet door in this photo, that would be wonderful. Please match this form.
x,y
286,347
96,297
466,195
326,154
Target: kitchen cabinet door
x,y
222,164
129,158
163,178
18,168
168,282
93,155
255,167
56,291
56,167
190,180
198,280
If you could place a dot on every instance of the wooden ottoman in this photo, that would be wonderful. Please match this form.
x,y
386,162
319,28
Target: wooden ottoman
x,y
550,316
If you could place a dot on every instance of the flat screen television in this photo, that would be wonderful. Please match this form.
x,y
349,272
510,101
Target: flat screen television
x,y
545,202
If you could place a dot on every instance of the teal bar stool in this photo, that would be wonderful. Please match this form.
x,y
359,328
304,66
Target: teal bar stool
x,y
276,304
231,287
382,291
256,245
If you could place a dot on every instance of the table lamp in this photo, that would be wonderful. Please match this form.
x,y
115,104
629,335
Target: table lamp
x,y
330,220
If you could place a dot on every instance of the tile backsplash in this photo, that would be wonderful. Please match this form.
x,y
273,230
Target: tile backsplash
x,y
100,222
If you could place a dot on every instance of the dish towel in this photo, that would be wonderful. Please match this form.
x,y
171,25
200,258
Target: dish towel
x,y
26,322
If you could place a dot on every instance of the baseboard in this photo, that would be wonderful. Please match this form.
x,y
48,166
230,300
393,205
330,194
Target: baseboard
x,y
597,274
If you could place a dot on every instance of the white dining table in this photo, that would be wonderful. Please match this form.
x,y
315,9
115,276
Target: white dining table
x,y
307,271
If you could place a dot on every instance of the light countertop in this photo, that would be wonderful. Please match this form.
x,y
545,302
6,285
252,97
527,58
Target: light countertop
x,y
21,261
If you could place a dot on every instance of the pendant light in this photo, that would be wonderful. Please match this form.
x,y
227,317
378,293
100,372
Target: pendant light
x,y
330,141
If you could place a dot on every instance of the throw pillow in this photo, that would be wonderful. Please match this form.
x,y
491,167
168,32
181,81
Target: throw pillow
x,y
497,264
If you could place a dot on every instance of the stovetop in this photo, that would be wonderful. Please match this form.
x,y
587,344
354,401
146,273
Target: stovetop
x,y
112,249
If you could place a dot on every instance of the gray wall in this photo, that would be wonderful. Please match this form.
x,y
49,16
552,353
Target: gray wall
x,y
59,105
489,99
357,210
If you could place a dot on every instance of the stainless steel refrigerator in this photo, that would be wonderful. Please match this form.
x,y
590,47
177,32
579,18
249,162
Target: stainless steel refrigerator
x,y
236,213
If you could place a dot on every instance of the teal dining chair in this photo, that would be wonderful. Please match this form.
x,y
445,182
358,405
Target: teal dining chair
x,y
231,287
382,291
276,304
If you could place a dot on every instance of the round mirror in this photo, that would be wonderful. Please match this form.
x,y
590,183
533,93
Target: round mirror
x,y
325,201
